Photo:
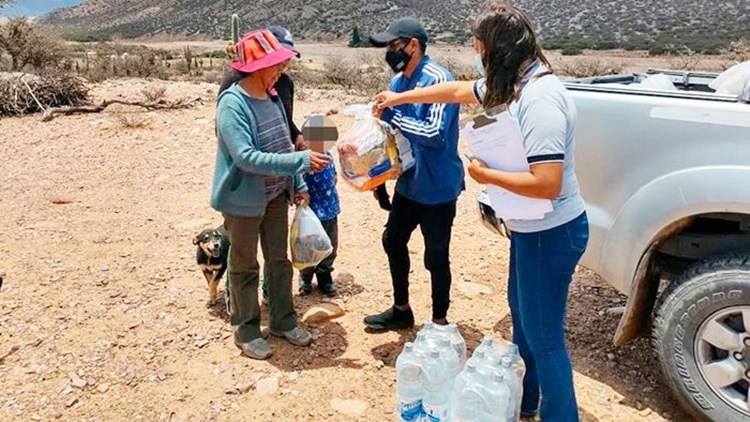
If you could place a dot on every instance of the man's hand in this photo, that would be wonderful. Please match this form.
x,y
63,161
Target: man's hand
x,y
319,161
477,169
377,111
386,99
301,198
300,144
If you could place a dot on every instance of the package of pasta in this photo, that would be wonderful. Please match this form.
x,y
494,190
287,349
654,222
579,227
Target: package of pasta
x,y
308,240
367,152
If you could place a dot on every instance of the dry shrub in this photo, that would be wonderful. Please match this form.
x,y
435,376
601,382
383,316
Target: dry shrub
x,y
29,45
364,79
685,59
584,67
460,71
132,120
23,93
738,51
154,93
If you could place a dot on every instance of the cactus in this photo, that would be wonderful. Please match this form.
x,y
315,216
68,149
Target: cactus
x,y
188,54
232,48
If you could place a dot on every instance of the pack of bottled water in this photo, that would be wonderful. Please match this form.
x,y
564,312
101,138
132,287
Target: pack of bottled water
x,y
436,383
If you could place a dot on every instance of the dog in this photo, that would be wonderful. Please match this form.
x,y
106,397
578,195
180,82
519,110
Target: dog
x,y
212,254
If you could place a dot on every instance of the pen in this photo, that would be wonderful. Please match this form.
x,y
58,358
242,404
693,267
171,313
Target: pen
x,y
467,156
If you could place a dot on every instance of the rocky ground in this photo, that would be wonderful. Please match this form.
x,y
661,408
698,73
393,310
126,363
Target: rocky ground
x,y
102,312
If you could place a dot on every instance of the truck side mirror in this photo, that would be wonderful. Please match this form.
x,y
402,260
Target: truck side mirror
x,y
745,93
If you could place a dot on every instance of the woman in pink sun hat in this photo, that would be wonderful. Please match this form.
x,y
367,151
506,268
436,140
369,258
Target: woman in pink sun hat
x,y
258,174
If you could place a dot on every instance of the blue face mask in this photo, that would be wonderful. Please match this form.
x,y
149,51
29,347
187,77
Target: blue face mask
x,y
479,64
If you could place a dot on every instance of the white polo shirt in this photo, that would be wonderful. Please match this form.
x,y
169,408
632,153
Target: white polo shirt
x,y
547,116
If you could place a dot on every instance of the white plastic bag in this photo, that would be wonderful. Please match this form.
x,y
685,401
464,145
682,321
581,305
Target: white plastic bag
x,y
731,81
308,239
367,151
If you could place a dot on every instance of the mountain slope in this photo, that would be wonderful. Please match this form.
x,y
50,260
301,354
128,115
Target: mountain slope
x,y
608,23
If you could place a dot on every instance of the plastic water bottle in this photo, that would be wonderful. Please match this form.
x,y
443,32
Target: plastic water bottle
x,y
485,346
515,385
458,342
409,391
437,391
468,404
468,376
478,358
497,399
450,358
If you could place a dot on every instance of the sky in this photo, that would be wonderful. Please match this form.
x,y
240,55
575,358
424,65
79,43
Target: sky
x,y
35,7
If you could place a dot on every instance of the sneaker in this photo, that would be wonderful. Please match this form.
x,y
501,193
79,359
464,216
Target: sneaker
x,y
392,319
305,287
298,336
257,349
327,289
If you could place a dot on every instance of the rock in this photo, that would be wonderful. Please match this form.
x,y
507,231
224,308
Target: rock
x,y
66,390
611,356
379,365
36,418
353,408
76,381
322,312
292,376
71,402
267,386
103,388
473,290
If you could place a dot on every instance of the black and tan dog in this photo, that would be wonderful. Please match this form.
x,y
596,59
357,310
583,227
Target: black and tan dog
x,y
212,255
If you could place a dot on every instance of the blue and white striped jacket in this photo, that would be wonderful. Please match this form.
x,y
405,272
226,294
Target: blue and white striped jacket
x,y
432,129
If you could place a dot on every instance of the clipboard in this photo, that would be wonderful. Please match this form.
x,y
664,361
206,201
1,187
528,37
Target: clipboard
x,y
496,138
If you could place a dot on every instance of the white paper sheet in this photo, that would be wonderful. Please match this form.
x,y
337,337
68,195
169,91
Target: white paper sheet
x,y
500,145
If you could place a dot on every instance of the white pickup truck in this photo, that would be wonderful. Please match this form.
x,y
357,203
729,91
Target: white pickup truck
x,y
666,178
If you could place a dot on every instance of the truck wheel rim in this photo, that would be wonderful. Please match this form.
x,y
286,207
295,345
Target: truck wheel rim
x,y
722,350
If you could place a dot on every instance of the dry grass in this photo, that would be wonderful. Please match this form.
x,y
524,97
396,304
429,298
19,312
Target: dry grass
x,y
154,93
132,120
583,67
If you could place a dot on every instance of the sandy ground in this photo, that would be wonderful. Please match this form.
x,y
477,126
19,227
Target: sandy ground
x,y
102,313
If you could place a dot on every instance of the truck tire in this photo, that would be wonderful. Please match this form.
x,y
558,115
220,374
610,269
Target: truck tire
x,y
701,336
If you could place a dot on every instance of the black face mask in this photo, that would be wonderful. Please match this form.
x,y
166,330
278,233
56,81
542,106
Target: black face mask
x,y
397,60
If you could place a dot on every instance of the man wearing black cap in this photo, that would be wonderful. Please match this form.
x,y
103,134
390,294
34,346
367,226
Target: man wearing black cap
x,y
426,194
284,88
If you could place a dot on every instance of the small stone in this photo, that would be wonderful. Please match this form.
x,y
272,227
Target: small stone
x,y
474,290
36,418
201,344
379,365
76,381
161,376
322,312
610,356
267,386
353,408
103,388
67,390
293,376
645,412
71,402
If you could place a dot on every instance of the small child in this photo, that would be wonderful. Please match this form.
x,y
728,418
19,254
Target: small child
x,y
320,132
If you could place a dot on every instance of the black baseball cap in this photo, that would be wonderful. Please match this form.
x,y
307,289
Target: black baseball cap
x,y
407,28
285,38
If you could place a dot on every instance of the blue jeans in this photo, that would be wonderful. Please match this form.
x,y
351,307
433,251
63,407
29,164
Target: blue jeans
x,y
541,268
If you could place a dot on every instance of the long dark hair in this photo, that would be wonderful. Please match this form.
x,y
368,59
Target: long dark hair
x,y
509,43
231,77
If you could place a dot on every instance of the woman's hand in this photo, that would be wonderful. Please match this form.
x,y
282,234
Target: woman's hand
x,y
301,198
319,161
387,99
477,169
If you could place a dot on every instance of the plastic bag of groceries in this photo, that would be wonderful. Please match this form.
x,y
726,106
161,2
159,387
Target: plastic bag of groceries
x,y
367,152
308,239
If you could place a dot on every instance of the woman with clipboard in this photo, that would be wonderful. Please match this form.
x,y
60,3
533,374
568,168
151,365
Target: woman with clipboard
x,y
545,252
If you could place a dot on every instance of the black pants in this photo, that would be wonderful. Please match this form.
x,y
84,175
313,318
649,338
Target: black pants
x,y
436,223
323,270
